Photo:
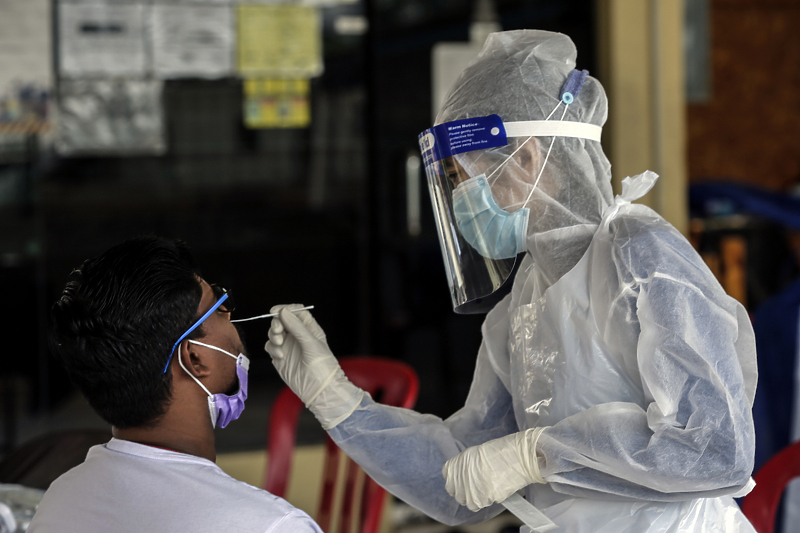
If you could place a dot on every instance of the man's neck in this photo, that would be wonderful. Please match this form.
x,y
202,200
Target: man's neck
x,y
174,435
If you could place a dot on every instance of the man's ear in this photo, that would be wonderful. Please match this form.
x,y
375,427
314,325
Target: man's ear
x,y
193,359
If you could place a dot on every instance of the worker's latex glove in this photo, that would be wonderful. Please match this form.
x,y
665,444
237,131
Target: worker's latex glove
x,y
301,356
491,472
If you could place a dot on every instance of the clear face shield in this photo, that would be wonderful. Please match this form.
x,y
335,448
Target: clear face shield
x,y
481,232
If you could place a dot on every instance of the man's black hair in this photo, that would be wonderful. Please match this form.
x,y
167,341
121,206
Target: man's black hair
x,y
115,324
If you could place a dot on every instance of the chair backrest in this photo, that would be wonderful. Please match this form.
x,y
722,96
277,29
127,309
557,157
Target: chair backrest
x,y
389,382
761,504
38,462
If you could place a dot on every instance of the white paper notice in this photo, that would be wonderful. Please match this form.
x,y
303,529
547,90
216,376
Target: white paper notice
x,y
218,2
193,41
110,117
26,78
25,45
101,40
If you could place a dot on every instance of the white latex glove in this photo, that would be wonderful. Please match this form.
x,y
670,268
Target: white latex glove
x,y
491,472
301,356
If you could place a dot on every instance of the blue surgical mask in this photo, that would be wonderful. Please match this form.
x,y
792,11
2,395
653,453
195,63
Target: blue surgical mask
x,y
493,232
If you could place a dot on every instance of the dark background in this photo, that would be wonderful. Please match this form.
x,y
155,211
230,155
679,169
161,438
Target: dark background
x,y
314,215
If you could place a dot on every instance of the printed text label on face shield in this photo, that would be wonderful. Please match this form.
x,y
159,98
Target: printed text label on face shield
x,y
460,136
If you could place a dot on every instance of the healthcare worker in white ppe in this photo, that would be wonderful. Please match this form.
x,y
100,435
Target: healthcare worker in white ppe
x,y
613,385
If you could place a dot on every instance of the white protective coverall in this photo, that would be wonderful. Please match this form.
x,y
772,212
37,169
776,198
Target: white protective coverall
x,y
616,340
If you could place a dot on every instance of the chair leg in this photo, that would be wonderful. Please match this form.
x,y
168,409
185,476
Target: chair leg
x,y
329,475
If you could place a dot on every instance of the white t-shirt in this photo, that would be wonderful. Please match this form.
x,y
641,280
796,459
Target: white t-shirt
x,y
128,487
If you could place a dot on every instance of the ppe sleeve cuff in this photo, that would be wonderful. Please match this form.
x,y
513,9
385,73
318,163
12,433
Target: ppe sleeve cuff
x,y
345,415
336,401
532,437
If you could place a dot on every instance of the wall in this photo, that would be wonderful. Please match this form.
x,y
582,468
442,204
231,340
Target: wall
x,y
749,130
640,49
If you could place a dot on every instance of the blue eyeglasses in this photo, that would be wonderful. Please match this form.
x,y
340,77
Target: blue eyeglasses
x,y
222,295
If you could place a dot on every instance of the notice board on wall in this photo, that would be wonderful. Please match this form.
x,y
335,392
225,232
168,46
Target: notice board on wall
x,y
279,41
192,40
101,40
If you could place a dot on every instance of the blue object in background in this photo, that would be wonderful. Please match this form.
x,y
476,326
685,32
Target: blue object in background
x,y
776,326
719,199
775,321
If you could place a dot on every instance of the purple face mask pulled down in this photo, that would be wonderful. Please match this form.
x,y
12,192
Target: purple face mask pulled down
x,y
223,408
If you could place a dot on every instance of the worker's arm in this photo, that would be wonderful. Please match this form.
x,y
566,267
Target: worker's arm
x,y
402,450
693,435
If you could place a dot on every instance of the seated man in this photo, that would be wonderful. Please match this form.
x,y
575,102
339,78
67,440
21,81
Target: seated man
x,y
151,346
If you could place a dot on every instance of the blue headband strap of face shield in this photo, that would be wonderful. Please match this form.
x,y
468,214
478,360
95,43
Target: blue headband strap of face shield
x,y
572,87
194,327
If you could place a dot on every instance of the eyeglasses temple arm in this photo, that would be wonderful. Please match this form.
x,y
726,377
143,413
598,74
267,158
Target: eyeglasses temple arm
x,y
194,327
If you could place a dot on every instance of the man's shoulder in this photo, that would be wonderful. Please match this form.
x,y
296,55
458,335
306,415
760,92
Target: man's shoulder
x,y
177,489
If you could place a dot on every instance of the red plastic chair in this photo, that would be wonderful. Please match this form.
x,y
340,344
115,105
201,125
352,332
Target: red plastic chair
x,y
389,382
761,504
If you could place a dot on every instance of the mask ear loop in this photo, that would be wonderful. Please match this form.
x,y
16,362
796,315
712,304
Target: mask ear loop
x,y
229,354
489,177
569,92
541,170
180,361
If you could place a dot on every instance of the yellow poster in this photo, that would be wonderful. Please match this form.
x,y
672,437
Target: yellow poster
x,y
276,103
279,40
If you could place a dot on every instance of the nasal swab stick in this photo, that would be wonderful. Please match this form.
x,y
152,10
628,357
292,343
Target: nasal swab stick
x,y
271,314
